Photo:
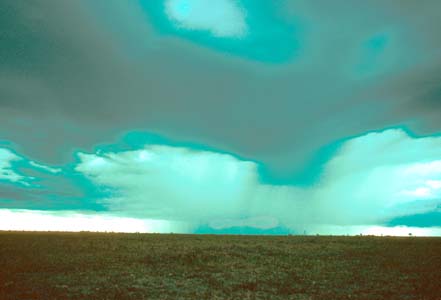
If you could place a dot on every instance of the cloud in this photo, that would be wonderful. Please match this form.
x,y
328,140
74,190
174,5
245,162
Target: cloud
x,y
27,184
7,171
45,168
223,18
370,180
172,182
11,166
379,176
254,96
46,47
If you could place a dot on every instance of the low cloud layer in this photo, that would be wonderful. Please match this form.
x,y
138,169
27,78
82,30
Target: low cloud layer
x,y
368,181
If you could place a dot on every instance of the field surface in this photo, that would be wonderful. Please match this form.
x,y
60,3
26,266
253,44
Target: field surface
x,y
153,266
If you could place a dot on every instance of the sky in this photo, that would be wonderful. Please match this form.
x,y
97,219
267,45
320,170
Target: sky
x,y
221,116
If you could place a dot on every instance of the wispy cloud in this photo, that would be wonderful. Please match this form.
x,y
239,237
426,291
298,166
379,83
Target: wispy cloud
x,y
45,168
7,172
13,168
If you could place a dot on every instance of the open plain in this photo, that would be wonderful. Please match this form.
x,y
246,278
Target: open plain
x,y
171,266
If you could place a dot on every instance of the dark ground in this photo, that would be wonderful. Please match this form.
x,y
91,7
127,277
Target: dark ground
x,y
154,266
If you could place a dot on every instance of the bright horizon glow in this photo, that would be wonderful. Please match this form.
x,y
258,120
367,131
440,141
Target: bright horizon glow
x,y
375,230
32,220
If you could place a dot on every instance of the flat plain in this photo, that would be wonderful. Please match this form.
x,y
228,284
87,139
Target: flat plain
x,y
172,266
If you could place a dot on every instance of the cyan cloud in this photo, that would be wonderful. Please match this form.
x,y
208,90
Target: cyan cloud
x,y
371,179
7,172
172,182
379,176
26,184
15,168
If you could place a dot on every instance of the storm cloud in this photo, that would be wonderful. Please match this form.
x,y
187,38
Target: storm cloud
x,y
273,90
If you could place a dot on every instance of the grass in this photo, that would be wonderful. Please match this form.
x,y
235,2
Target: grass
x,y
154,266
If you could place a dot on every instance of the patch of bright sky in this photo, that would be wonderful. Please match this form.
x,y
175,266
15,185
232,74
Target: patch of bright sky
x,y
236,27
223,18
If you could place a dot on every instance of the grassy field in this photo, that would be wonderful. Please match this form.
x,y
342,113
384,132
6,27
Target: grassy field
x,y
154,266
